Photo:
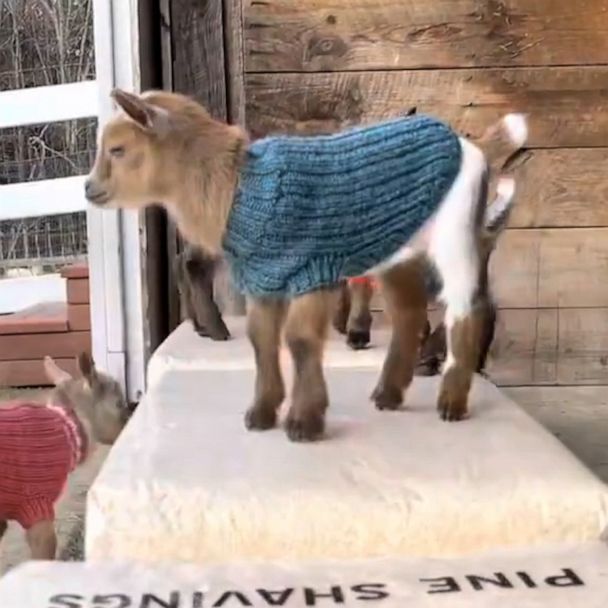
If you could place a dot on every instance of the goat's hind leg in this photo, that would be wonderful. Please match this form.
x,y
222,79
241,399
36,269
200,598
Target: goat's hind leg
x,y
455,250
405,296
264,322
42,540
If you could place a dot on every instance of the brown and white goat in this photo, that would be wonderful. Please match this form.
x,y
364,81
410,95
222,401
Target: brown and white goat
x,y
166,148
353,316
40,444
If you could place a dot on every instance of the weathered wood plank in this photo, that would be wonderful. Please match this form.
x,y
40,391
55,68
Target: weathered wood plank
x,y
547,346
78,291
233,17
31,373
199,69
45,317
550,346
567,106
577,415
524,350
307,35
543,346
551,268
198,52
79,317
38,346
562,188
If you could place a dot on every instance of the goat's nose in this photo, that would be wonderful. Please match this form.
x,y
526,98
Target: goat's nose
x,y
89,188
93,193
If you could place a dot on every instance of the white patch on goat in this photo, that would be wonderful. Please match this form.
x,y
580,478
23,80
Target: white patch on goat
x,y
449,237
516,126
453,246
449,363
496,213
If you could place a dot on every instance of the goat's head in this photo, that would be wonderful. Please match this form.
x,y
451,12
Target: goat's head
x,y
147,149
96,397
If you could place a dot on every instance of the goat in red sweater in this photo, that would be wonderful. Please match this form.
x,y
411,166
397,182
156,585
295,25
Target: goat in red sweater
x,y
42,443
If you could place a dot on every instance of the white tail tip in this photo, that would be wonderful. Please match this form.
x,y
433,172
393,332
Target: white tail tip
x,y
516,126
505,188
497,213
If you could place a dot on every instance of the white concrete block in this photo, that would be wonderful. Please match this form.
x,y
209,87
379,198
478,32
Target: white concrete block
x,y
186,481
185,350
560,577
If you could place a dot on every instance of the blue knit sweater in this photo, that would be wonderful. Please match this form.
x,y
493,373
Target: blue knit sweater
x,y
310,211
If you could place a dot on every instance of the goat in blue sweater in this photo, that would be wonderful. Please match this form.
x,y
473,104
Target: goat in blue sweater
x,y
296,215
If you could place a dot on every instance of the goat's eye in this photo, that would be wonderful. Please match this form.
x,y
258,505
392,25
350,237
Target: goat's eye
x,y
117,151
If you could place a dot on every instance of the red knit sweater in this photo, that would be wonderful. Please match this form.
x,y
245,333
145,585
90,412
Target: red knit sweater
x,y
39,447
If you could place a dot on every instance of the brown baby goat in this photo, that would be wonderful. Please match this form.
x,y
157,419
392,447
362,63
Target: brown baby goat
x,y
40,444
166,148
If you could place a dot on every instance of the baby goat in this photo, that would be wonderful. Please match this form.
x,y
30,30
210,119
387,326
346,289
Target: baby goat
x,y
40,444
295,215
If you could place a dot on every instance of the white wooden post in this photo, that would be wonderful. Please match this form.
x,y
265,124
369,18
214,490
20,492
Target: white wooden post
x,y
114,236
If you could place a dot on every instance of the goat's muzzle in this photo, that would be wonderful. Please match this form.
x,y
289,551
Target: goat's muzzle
x,y
94,194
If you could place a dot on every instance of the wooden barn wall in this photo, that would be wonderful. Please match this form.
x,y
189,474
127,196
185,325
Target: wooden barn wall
x,y
314,66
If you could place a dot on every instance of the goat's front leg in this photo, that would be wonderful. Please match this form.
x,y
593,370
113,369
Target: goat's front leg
x,y
42,540
206,316
306,332
264,323
3,528
405,296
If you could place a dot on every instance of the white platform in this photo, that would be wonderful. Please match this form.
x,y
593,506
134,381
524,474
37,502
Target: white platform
x,y
559,577
184,350
186,481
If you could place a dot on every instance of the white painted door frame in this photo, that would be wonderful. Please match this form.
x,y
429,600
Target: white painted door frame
x,y
115,265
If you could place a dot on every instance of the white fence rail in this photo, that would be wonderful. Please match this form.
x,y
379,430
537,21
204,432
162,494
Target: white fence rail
x,y
48,104
46,197
43,105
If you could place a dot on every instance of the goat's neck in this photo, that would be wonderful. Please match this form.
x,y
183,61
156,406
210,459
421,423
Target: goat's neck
x,y
205,194
201,212
73,397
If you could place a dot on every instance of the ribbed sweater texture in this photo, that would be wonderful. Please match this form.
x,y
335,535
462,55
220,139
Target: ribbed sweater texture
x,y
310,211
39,446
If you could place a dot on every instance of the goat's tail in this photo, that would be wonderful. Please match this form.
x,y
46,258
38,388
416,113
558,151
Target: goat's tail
x,y
498,212
503,139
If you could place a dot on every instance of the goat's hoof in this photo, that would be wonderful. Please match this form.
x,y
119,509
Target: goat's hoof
x,y
427,368
220,337
219,332
452,408
302,428
358,340
387,398
260,419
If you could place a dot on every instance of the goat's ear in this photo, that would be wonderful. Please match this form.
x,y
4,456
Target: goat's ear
x,y
86,365
139,110
54,373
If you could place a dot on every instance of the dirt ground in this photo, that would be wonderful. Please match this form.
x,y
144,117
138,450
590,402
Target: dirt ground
x,y
577,416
